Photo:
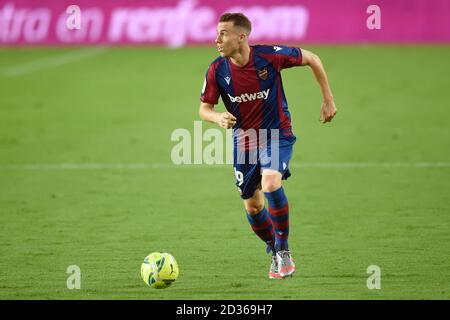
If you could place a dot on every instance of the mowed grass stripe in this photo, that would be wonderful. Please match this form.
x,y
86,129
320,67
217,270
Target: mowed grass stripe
x,y
145,166
53,61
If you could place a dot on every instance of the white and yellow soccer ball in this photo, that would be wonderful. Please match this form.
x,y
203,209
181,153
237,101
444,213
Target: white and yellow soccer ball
x,y
159,270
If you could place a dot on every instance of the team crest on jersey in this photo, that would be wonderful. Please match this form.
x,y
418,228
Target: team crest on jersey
x,y
263,73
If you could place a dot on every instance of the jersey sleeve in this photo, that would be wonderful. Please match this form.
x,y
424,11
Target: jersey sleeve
x,y
210,91
287,57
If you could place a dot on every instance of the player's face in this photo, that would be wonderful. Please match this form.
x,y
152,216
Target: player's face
x,y
228,39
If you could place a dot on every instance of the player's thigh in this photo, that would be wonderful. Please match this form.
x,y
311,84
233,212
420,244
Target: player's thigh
x,y
271,180
255,204
248,178
275,164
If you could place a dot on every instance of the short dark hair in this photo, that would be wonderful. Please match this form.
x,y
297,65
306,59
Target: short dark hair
x,y
238,19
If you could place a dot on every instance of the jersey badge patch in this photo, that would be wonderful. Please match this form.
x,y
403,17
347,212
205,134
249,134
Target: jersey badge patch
x,y
263,73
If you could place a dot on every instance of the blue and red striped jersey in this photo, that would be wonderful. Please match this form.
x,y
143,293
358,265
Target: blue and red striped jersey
x,y
253,93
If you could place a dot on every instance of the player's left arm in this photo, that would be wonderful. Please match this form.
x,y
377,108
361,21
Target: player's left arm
x,y
328,109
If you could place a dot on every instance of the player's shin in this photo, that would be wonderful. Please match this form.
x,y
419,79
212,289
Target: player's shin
x,y
279,214
262,225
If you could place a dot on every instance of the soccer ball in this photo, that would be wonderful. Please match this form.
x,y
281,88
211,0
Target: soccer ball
x,y
159,270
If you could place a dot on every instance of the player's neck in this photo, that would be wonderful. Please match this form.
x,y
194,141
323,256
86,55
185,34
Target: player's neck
x,y
242,57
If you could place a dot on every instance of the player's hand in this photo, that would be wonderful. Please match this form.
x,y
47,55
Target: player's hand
x,y
328,111
226,120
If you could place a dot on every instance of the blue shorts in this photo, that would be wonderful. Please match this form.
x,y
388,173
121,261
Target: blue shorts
x,y
248,165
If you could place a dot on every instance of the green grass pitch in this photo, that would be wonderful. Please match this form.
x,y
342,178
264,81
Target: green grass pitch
x,y
384,202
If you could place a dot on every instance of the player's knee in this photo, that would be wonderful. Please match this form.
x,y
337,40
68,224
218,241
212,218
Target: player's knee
x,y
271,180
271,185
253,208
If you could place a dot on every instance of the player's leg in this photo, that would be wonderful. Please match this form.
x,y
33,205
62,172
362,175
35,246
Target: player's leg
x,y
278,206
279,213
259,218
248,181
275,167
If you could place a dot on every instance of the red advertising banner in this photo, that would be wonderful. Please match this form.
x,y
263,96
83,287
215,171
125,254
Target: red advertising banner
x,y
184,22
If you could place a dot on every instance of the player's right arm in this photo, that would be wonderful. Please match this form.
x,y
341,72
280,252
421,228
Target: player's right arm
x,y
224,119
209,97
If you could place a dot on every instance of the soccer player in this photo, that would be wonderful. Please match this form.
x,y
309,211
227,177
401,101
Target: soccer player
x,y
248,80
